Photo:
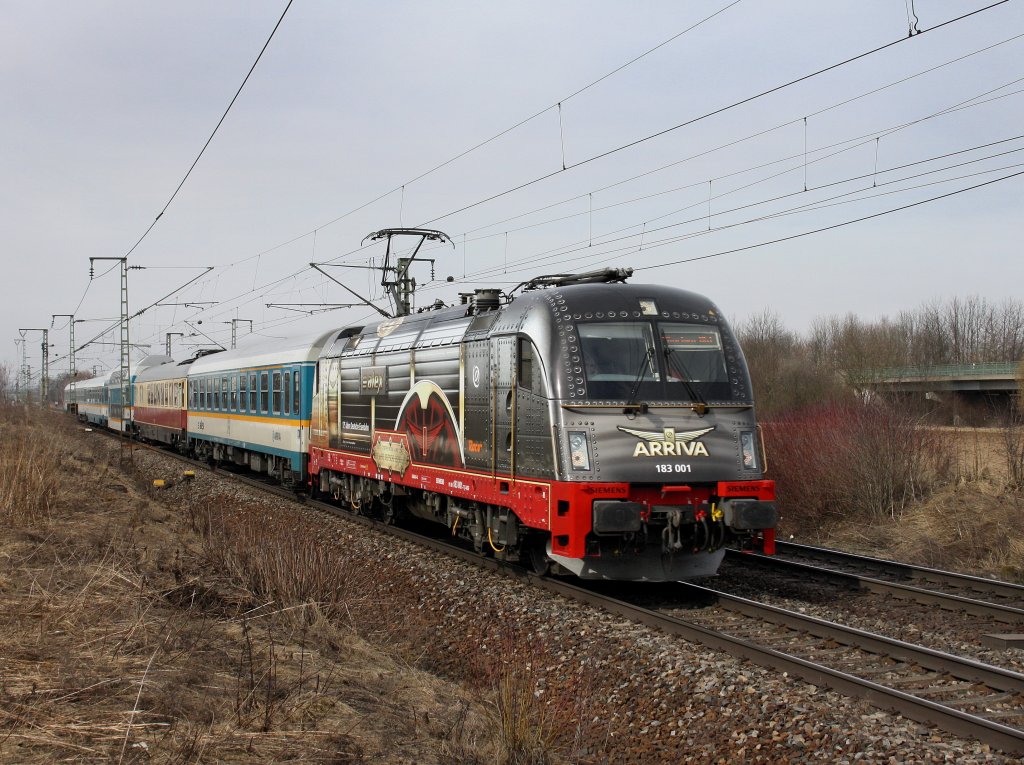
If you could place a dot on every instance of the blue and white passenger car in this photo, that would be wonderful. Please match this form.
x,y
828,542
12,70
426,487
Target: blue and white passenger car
x,y
252,406
90,399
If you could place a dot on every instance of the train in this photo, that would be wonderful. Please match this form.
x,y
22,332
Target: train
x,y
582,425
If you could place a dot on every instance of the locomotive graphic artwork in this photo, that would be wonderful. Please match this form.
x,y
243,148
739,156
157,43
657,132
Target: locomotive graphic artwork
x,y
580,425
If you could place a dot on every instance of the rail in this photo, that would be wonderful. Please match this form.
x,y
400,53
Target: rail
x,y
1004,601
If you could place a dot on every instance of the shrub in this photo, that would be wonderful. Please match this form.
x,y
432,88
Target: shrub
x,y
852,461
262,552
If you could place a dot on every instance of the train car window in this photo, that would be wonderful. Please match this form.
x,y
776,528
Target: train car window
x,y
224,393
202,393
265,392
277,393
296,392
252,393
243,388
287,392
234,393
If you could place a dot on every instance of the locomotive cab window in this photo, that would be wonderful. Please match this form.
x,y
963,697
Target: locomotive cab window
x,y
694,359
619,359
654,361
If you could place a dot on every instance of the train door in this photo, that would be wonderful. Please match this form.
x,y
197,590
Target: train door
x,y
319,423
503,361
532,424
476,404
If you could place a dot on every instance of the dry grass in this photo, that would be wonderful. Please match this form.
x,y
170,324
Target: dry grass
x,y
972,523
124,641
312,577
33,457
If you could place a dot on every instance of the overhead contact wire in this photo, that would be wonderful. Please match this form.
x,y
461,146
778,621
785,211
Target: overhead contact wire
x,y
707,115
215,129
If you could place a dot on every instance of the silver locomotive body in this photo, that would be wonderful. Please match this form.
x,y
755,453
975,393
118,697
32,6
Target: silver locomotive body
x,y
601,429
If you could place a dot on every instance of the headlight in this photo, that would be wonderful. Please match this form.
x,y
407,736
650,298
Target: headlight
x,y
579,450
748,449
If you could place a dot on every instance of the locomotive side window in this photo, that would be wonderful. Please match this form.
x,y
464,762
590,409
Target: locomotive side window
x,y
524,364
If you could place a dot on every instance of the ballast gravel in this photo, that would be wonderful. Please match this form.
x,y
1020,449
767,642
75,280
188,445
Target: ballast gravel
x,y
620,692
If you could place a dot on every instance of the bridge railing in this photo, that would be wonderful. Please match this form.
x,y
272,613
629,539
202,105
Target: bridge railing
x,y
983,370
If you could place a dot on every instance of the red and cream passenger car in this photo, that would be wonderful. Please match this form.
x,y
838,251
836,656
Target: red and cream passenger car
x,y
161,403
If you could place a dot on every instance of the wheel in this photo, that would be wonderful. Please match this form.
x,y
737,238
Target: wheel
x,y
536,556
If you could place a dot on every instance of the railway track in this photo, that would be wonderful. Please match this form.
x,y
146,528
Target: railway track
x,y
959,696
992,600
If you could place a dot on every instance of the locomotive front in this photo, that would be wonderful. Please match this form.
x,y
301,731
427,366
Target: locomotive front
x,y
660,460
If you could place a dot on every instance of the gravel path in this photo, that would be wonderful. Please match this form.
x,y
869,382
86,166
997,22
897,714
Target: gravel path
x,y
619,692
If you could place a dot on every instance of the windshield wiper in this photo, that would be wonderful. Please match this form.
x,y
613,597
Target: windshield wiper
x,y
645,361
700,405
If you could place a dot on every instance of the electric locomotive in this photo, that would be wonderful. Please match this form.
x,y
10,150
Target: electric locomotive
x,y
584,426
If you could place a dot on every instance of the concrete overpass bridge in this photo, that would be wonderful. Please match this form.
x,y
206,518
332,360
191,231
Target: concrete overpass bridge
x,y
985,378
976,393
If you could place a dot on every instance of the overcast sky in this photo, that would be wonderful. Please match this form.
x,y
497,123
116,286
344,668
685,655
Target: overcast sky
x,y
105,105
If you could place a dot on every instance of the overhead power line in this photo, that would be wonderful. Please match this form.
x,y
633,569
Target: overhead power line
x,y
706,115
215,129
833,226
529,119
862,55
